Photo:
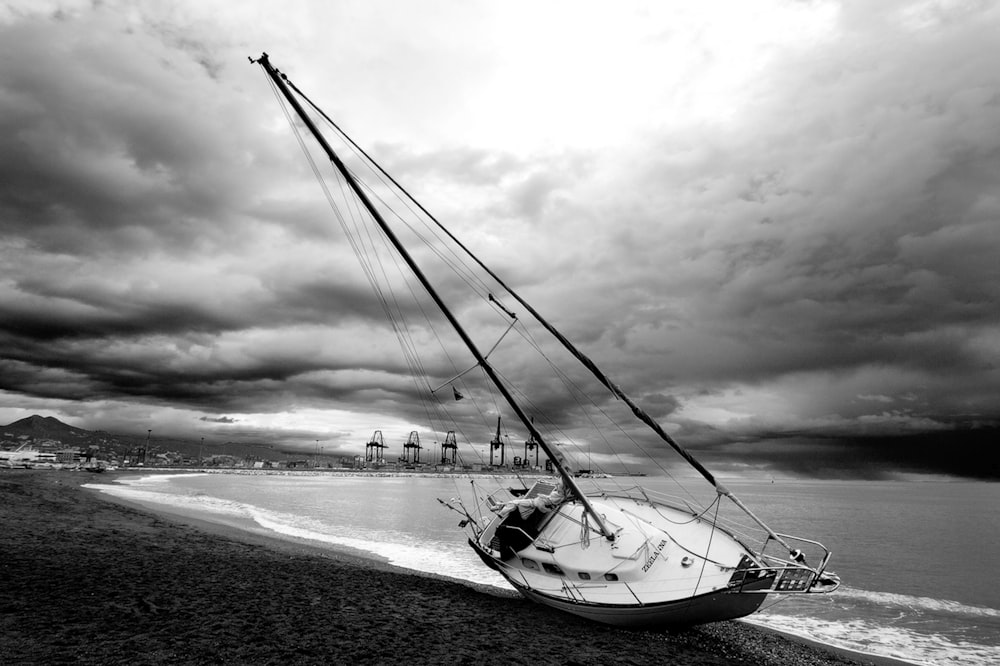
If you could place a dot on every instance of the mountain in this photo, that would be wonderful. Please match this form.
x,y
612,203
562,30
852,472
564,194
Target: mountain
x,y
47,431
45,427
39,429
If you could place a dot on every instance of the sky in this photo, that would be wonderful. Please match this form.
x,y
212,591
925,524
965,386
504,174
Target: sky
x,y
776,224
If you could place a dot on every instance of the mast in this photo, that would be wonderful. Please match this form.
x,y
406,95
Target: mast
x,y
616,390
638,411
279,81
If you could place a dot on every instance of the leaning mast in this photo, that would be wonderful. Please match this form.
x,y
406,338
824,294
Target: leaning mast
x,y
615,389
279,81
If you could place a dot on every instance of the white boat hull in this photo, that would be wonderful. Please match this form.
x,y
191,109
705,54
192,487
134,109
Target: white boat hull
x,y
665,567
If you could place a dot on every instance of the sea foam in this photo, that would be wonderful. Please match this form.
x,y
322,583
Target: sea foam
x,y
882,640
918,603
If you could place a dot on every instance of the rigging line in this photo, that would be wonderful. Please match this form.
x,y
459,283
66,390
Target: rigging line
x,y
395,313
416,216
417,364
677,543
428,286
353,240
457,264
371,257
583,358
392,309
366,262
571,384
586,361
566,438
379,170
430,324
694,517
367,267
467,276
441,249
614,388
708,550
401,325
417,367
577,393
470,369
485,295
444,413
443,258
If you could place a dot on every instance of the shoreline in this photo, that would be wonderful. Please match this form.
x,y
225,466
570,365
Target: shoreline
x,y
96,579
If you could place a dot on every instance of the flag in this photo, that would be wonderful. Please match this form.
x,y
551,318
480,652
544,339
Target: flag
x,y
458,396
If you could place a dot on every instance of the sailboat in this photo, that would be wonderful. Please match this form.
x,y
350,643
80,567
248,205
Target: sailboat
x,y
632,556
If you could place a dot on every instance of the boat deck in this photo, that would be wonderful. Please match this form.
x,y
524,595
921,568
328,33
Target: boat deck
x,y
659,554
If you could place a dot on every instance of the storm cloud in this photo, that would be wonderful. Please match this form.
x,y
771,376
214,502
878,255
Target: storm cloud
x,y
777,228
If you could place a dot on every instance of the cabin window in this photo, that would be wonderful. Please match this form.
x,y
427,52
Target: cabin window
x,y
584,575
552,569
529,564
610,576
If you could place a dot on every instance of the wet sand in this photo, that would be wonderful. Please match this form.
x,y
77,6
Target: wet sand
x,y
91,581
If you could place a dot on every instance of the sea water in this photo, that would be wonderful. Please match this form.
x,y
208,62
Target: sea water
x,y
916,557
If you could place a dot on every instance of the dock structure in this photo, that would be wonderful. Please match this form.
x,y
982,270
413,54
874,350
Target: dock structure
x,y
449,445
497,443
411,449
530,445
374,448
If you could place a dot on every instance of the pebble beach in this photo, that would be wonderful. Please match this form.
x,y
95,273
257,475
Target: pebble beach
x,y
86,580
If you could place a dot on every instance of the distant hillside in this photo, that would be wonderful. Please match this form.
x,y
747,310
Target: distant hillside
x,y
46,430
36,429
45,427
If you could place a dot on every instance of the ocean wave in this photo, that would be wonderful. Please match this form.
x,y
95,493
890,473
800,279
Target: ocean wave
x,y
199,503
914,603
429,557
882,640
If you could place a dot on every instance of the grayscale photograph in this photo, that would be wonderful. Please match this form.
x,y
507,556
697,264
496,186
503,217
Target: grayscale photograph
x,y
498,333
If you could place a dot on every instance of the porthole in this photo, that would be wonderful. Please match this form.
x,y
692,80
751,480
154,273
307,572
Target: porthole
x,y
584,575
610,576
552,568
529,564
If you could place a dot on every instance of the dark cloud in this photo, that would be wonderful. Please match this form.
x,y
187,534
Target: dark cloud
x,y
813,273
104,153
963,452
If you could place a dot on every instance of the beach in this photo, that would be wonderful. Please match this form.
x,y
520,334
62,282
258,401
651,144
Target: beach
x,y
91,581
